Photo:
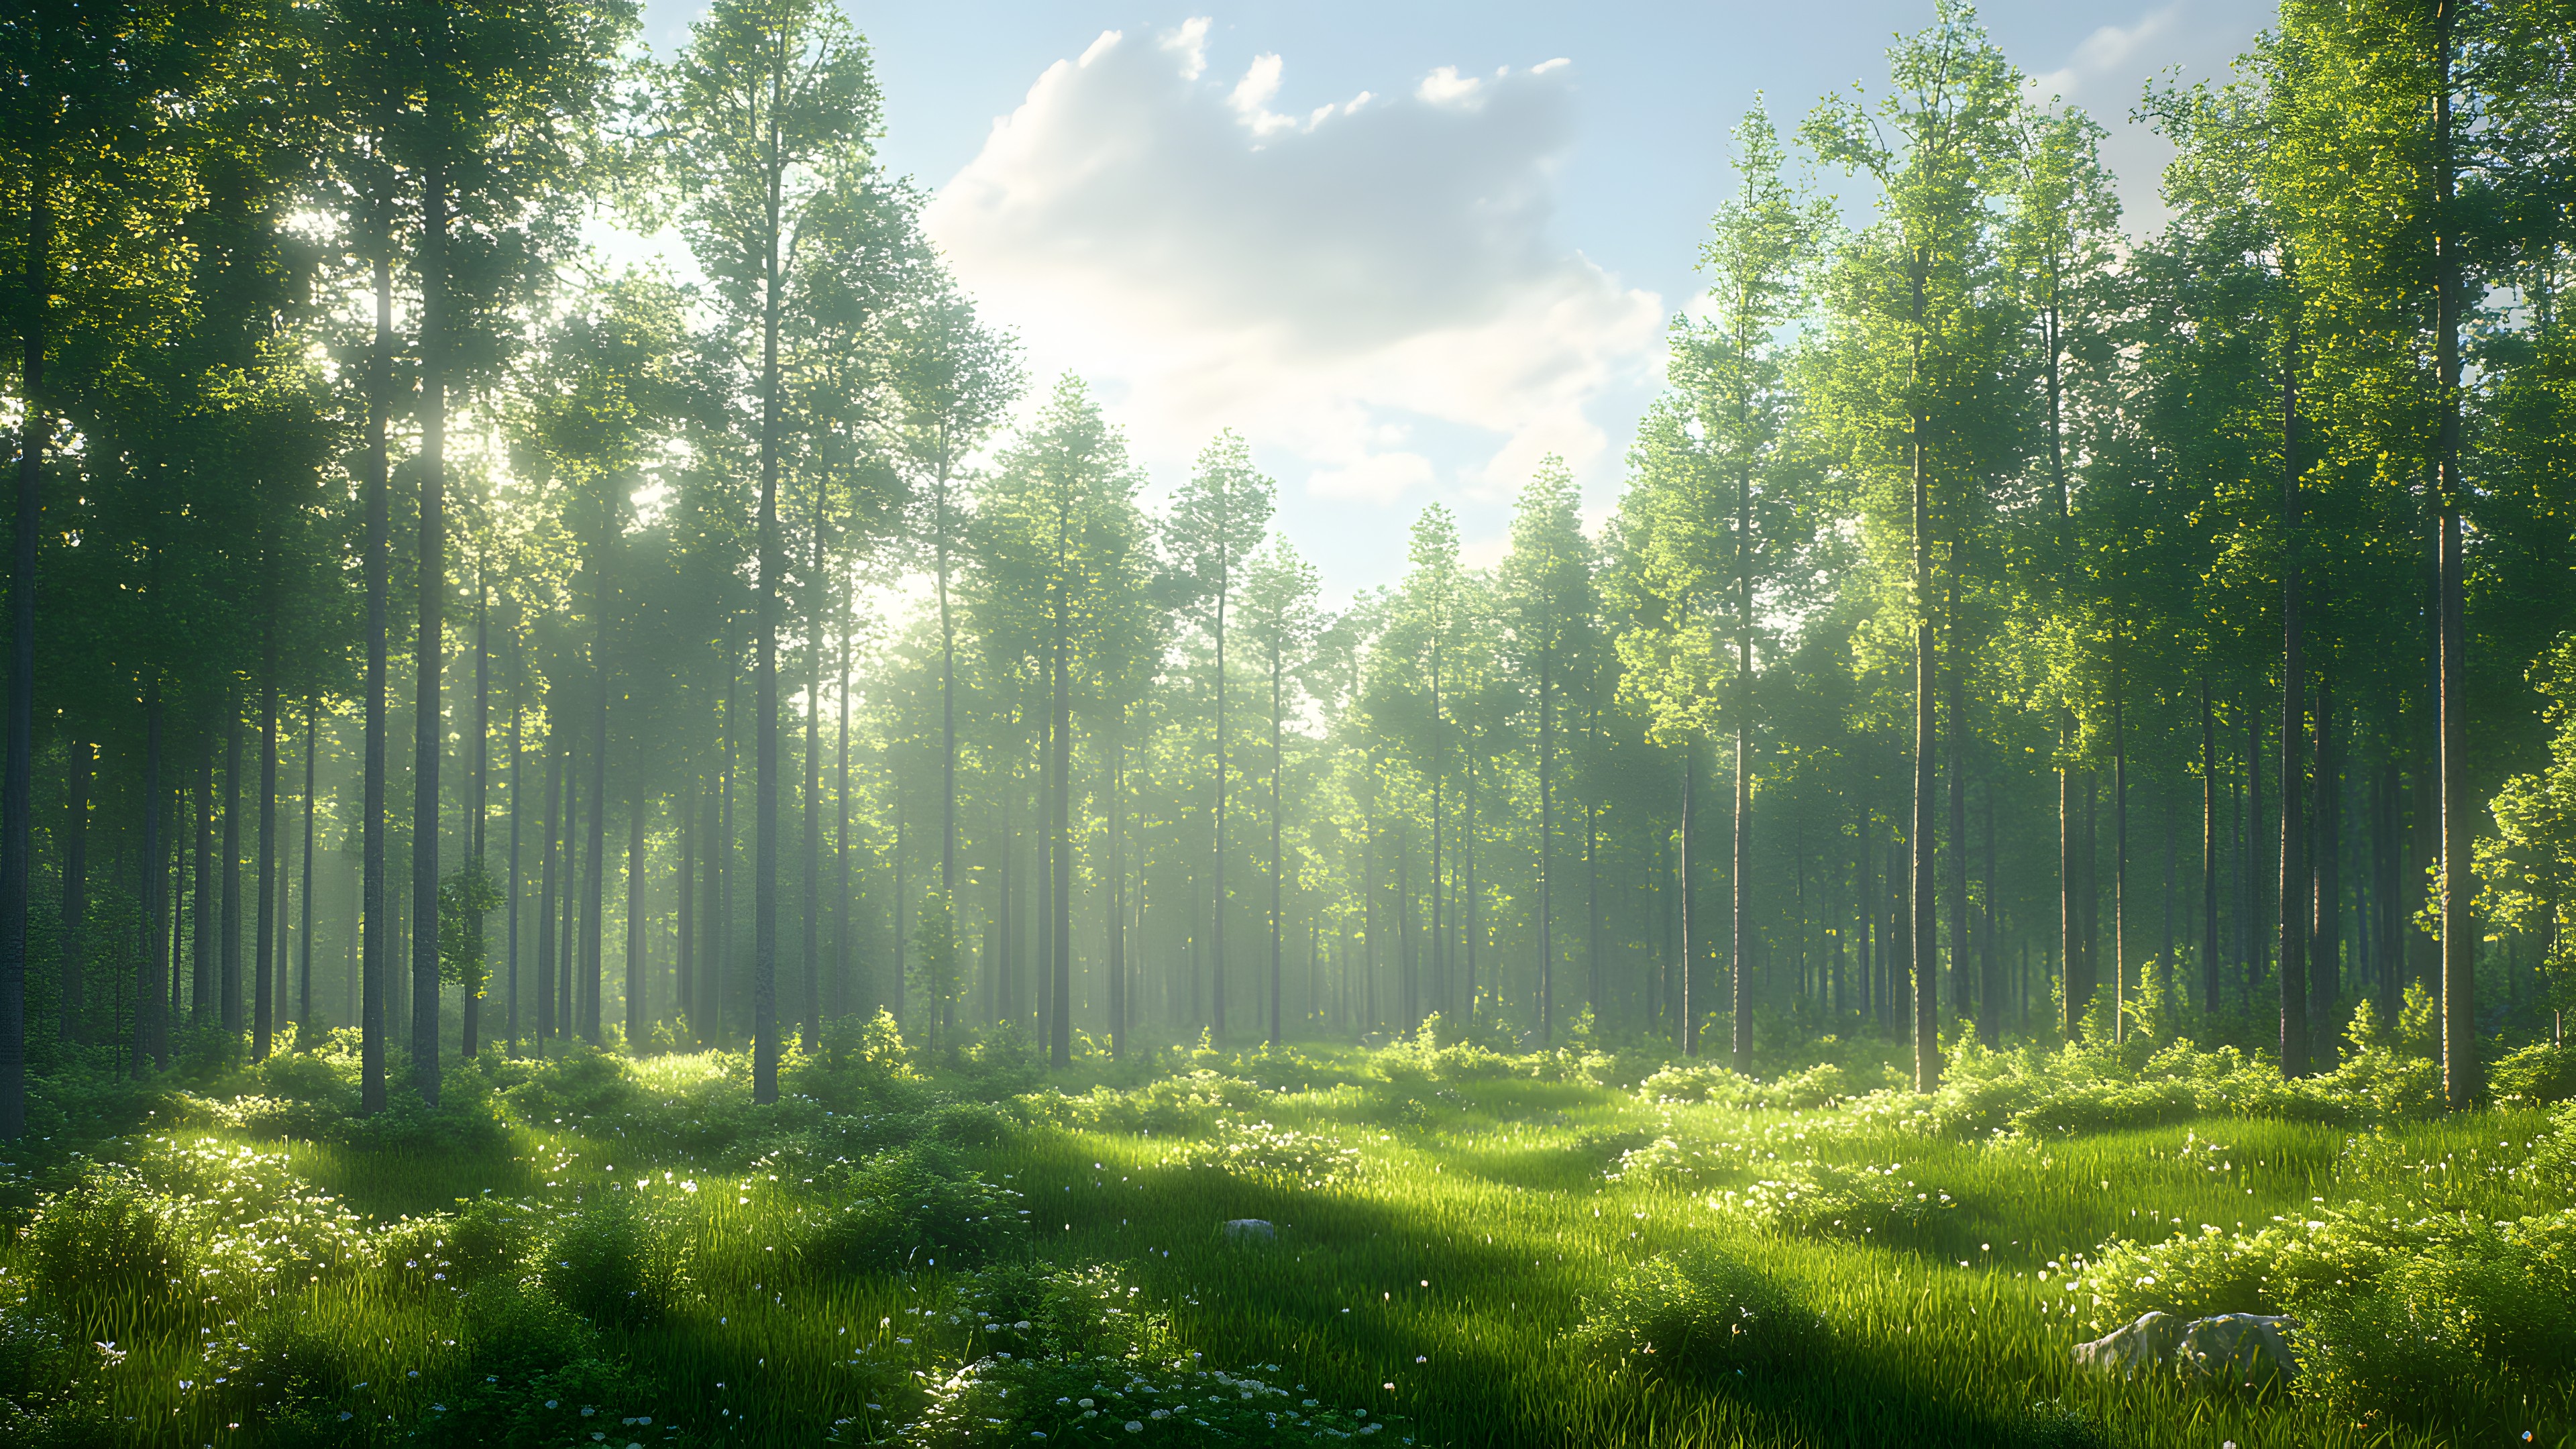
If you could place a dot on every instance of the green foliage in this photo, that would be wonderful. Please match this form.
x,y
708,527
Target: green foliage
x,y
1002,1400
1701,1313
613,1262
469,893
910,1208
1275,1157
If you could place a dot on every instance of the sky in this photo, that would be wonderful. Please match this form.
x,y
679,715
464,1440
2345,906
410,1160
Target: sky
x,y
1407,250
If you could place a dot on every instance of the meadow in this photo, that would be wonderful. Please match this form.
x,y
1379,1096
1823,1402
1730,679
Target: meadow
x,y
1466,1247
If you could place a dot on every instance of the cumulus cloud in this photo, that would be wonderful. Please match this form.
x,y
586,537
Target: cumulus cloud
x,y
2185,40
1369,285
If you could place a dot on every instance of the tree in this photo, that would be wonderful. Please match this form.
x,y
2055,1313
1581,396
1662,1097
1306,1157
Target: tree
x,y
1279,590
1937,147
1216,520
770,102
1551,607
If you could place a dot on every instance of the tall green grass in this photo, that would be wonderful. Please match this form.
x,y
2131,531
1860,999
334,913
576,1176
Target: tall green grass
x,y
1447,1280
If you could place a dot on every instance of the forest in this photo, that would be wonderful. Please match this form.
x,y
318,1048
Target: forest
x,y
2014,887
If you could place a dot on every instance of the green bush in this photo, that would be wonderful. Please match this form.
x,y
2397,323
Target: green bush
x,y
1818,1086
1277,1157
1860,1201
610,1262
910,1208
1038,1310
2536,1075
999,1400
1700,1313
40,1366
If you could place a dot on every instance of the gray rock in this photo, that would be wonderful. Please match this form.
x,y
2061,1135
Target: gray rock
x,y
2246,1348
2140,1347
1250,1230
2238,1348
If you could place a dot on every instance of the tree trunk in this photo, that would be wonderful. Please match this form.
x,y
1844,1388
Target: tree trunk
x,y
470,1003
265,964
429,729
684,903
376,951
547,856
1547,846
518,772
1990,983
1118,1007
228,941
2119,860
2463,1077
1685,1037
810,937
18,777
637,1035
2294,720
1277,921
2069,917
841,996
594,882
773,568
2257,960
1216,825
1961,1009
2325,934
2209,982
151,1036
75,937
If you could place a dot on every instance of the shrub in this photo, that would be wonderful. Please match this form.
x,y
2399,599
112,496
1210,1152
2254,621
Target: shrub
x,y
1700,1313
1002,1064
2535,1075
1278,1157
999,1400
1041,1311
912,1207
611,1262
1861,1201
1817,1086
2476,1305
39,1366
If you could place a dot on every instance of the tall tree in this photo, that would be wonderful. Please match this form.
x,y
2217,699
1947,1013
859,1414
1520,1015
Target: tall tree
x,y
1549,596
1216,520
1279,590
769,102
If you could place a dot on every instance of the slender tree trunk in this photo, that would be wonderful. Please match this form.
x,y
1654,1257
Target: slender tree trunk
x,y
429,644
18,777
1990,984
2294,719
637,983
1547,846
265,964
1118,1006
947,710
844,961
151,1036
1216,822
594,883
2209,982
1277,920
2325,933
568,944
773,568
2463,1077
376,954
1961,1009
518,772
71,1026
228,942
810,937
2119,858
470,998
1685,1037
684,902
547,856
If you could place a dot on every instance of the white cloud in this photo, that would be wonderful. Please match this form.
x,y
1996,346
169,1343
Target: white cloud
x,y
2193,39
1368,288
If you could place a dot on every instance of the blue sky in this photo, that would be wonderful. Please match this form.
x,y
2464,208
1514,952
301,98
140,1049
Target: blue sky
x,y
1405,248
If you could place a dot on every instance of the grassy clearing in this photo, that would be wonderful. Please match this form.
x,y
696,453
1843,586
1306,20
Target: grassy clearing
x,y
602,1252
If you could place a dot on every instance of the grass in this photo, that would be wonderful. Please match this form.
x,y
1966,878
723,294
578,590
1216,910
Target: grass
x,y
1446,1284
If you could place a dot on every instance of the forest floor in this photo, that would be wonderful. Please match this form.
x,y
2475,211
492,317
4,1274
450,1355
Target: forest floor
x,y
1464,1247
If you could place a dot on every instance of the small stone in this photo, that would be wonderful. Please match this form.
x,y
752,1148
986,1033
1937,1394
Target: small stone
x,y
1250,1230
2140,1347
2238,1348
